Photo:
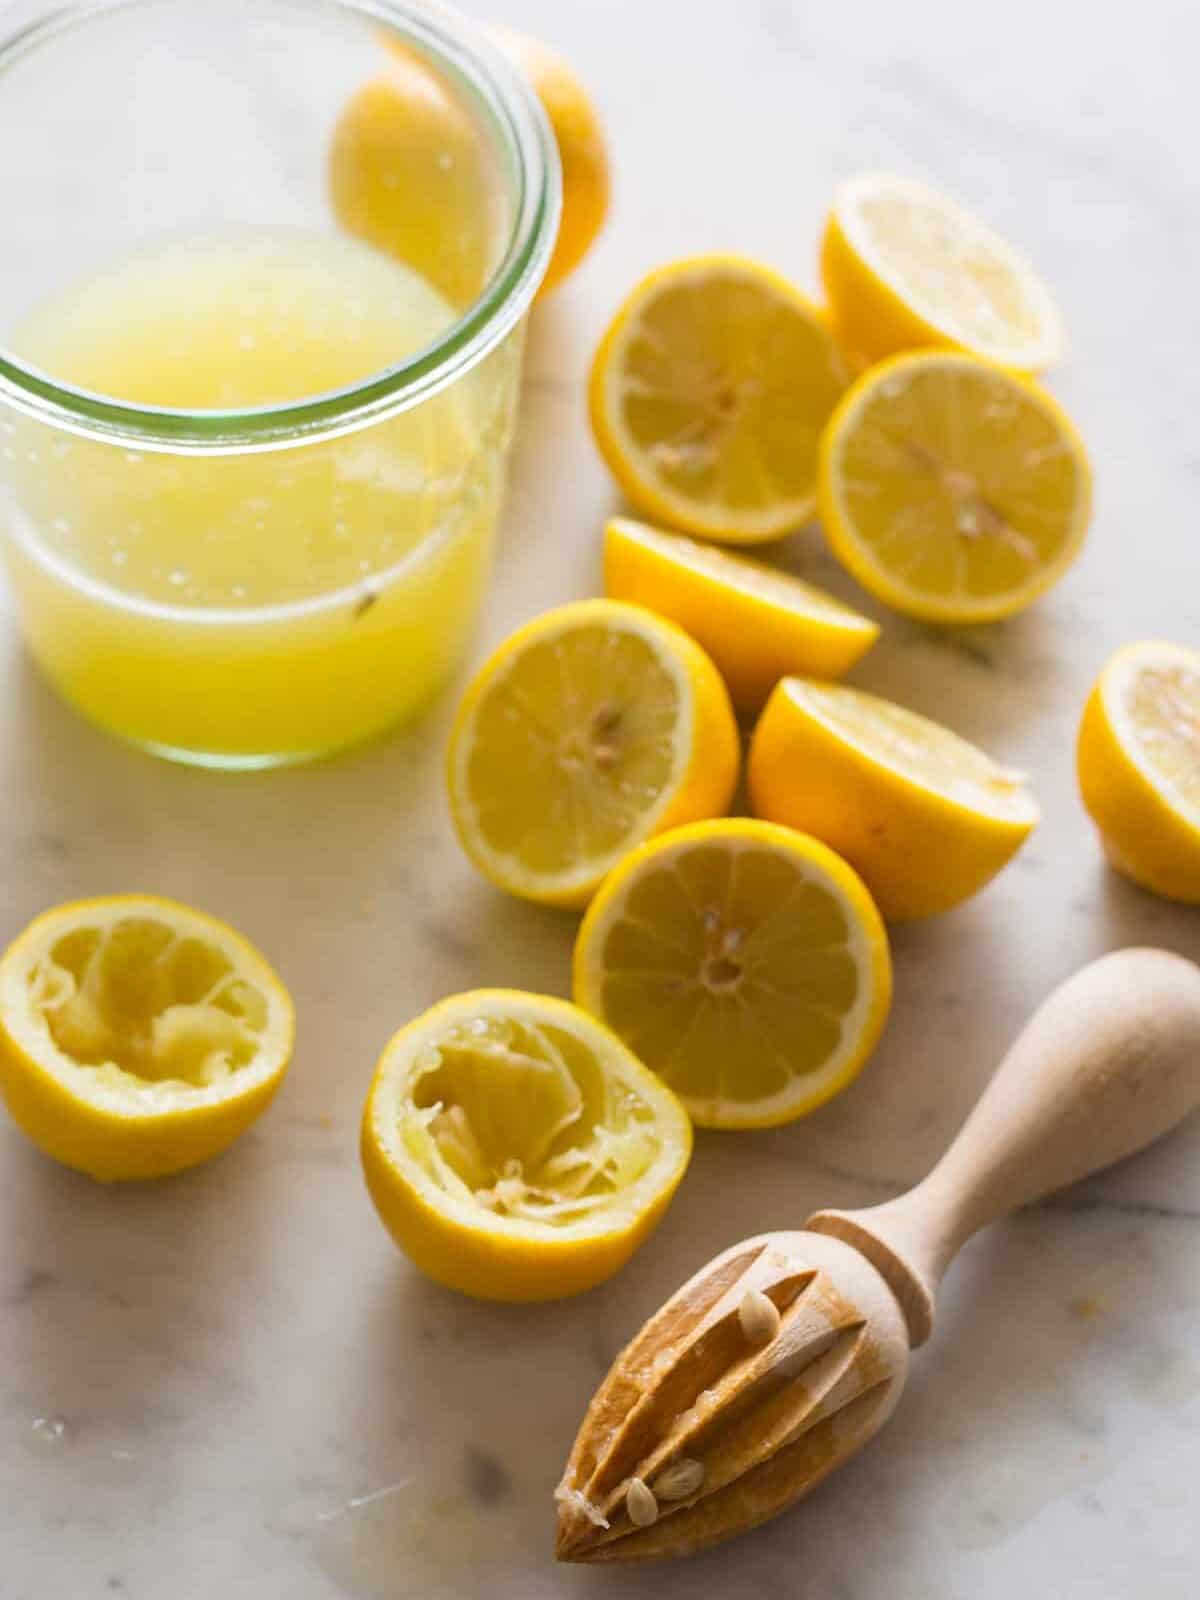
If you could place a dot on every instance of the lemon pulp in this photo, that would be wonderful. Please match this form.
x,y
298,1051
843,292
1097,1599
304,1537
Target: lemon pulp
x,y
923,751
952,489
743,963
589,729
521,1118
589,721
137,1002
1163,711
709,394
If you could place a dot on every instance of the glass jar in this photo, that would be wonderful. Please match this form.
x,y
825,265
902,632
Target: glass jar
x,y
259,357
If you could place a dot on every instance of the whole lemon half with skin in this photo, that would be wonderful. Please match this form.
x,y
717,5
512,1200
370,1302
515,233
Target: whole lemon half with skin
x,y
708,395
758,623
591,728
951,489
1139,765
906,267
926,818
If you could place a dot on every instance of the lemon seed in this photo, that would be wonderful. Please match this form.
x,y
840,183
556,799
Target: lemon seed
x,y
680,1480
759,1317
640,1504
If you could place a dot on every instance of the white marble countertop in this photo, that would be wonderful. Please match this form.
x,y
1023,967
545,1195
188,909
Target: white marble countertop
x,y
243,1390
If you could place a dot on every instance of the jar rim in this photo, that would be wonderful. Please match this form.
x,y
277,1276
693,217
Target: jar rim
x,y
519,123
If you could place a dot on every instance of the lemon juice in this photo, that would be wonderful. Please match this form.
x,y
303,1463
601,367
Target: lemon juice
x,y
239,606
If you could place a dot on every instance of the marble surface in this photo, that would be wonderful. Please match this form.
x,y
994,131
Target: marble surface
x,y
231,1383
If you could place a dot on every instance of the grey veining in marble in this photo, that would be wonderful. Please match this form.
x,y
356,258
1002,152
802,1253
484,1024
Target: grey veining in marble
x,y
231,1384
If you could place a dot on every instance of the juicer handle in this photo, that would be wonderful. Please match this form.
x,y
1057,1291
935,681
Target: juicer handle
x,y
1106,1065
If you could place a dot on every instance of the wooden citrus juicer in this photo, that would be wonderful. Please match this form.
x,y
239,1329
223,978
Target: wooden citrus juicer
x,y
788,1352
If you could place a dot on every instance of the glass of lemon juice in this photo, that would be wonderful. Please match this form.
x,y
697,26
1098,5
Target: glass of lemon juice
x,y
259,351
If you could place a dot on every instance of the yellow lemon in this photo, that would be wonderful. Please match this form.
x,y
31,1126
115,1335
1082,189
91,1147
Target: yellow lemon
x,y
410,172
744,963
708,394
515,1149
925,817
758,624
581,148
137,1036
951,489
591,728
905,267
1139,765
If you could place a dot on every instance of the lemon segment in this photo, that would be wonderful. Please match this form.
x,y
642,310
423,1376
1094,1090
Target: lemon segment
x,y
138,1036
591,728
708,394
951,489
582,150
924,816
1139,765
745,964
905,267
758,624
515,1149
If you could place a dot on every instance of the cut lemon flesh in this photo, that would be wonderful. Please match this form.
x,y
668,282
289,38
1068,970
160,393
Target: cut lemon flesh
x,y
1139,765
515,1149
758,624
591,728
708,394
925,817
953,490
903,267
138,1036
742,962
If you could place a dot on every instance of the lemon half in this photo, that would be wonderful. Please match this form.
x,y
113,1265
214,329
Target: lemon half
x,y
582,148
708,394
951,489
745,963
904,266
138,1036
757,623
924,816
591,728
1139,765
515,1149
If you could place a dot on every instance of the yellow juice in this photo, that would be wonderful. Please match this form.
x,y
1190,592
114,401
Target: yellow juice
x,y
243,607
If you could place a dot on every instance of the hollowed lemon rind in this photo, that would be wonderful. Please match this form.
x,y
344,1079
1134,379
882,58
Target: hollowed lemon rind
x,y
100,1118
467,1247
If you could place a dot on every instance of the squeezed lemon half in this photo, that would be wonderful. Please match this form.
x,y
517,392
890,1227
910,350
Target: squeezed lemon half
x,y
138,1036
904,266
951,489
515,1149
708,394
924,816
591,728
745,964
757,623
1139,765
